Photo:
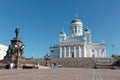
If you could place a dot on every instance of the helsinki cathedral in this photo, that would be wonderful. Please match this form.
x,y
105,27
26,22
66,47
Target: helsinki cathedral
x,y
78,43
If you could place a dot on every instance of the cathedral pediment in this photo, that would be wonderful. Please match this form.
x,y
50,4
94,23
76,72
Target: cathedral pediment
x,y
72,40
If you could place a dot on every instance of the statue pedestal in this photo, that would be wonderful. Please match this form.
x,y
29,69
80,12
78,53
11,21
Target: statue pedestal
x,y
14,53
10,58
14,59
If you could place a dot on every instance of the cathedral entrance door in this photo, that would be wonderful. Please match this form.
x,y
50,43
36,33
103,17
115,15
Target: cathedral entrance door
x,y
93,55
72,54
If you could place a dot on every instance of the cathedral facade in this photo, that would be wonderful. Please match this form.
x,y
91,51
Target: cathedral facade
x,y
77,44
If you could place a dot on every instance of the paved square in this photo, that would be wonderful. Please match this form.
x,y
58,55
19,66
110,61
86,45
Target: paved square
x,y
60,74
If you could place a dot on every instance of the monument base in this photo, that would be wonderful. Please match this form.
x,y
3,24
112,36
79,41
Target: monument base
x,y
13,59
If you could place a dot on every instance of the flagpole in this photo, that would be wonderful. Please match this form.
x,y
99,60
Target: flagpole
x,y
113,48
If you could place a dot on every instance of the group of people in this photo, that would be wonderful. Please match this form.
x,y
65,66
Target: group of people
x,y
55,65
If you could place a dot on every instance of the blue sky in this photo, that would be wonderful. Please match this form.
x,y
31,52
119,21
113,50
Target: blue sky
x,y
41,21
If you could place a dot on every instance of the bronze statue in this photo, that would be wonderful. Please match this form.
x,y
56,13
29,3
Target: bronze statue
x,y
17,31
12,49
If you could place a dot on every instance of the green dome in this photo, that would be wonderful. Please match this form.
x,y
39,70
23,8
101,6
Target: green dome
x,y
76,20
62,32
87,30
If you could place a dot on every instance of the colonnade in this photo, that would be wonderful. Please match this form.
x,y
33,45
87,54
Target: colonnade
x,y
79,51
72,51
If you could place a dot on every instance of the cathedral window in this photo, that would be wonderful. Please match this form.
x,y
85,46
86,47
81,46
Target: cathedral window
x,y
52,51
75,29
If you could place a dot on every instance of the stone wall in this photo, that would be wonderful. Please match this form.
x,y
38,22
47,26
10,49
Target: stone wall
x,y
75,62
65,62
70,62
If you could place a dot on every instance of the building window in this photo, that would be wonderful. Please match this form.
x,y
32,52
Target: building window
x,y
93,55
52,51
75,29
72,54
93,50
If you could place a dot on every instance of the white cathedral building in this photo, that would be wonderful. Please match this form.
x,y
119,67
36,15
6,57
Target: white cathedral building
x,y
77,44
3,49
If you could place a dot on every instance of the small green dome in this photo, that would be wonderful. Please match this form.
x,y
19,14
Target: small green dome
x,y
62,32
76,20
87,30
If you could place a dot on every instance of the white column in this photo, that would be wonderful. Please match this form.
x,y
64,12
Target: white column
x,y
84,48
65,52
75,51
79,51
74,29
69,55
100,53
97,53
60,52
104,52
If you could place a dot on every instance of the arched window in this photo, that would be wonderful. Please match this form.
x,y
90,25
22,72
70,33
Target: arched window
x,y
76,29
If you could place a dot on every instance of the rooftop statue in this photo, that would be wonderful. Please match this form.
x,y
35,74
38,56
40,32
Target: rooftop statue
x,y
17,31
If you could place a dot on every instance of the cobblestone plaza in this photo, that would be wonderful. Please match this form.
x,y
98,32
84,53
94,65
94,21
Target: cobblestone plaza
x,y
60,74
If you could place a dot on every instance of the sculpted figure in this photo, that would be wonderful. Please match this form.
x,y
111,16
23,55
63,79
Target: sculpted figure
x,y
17,31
